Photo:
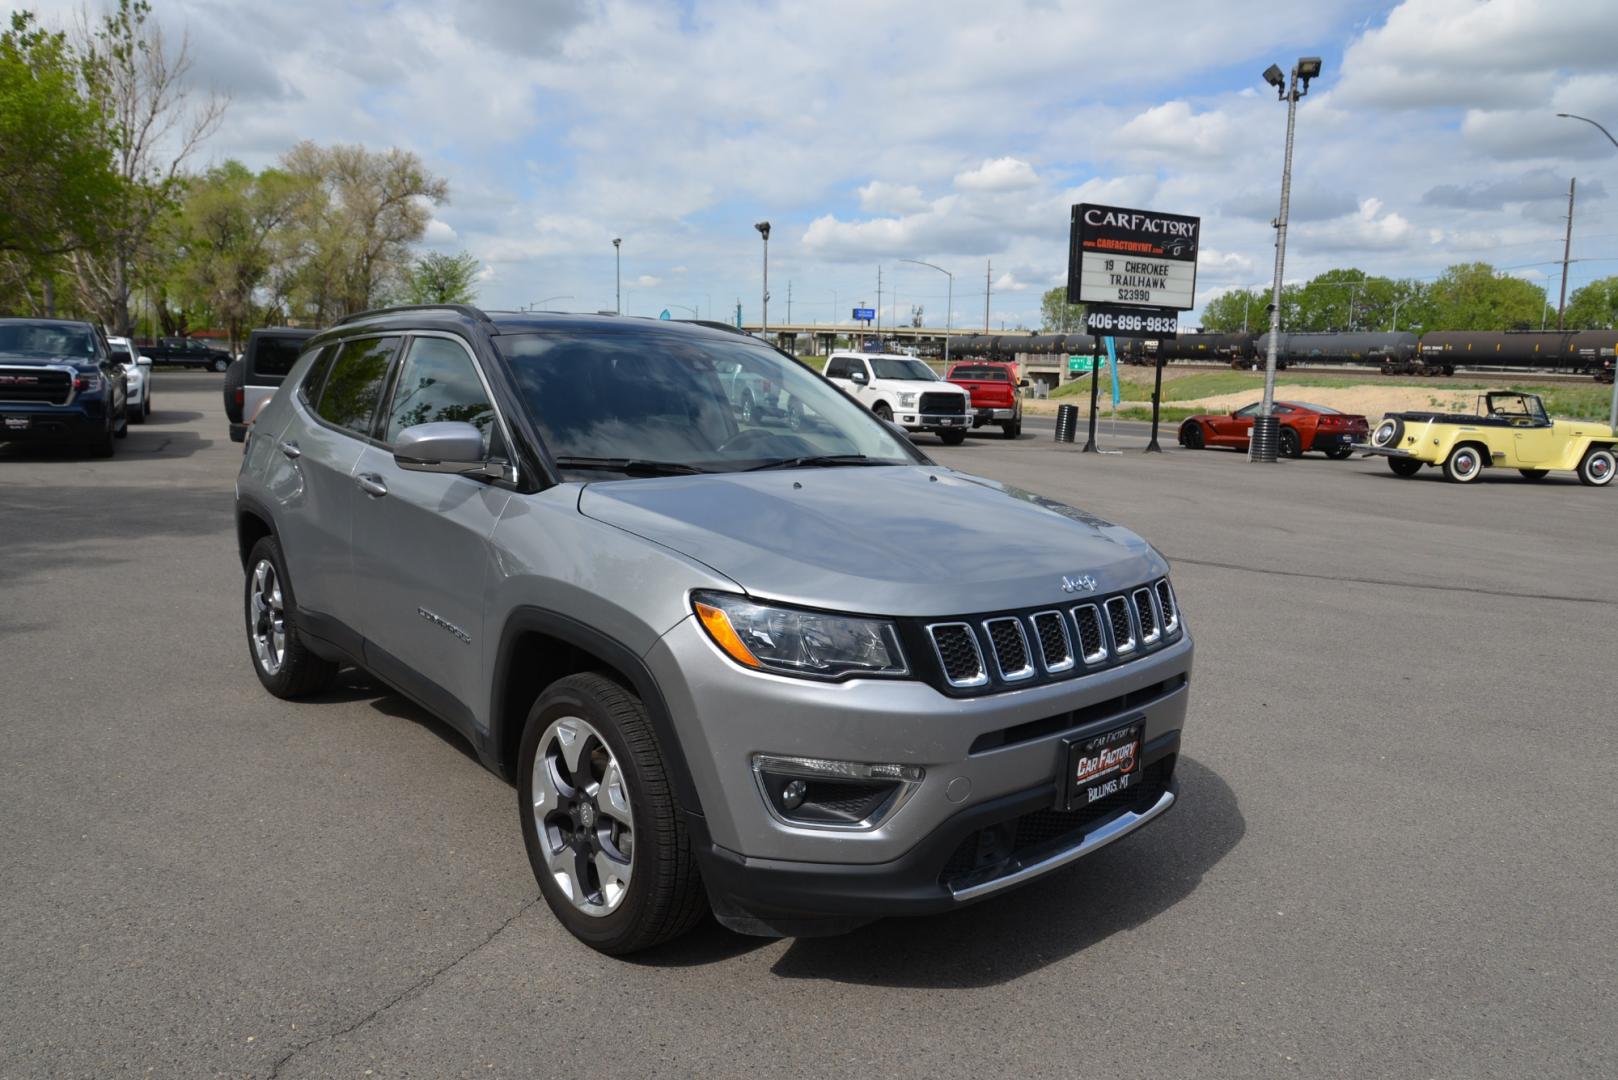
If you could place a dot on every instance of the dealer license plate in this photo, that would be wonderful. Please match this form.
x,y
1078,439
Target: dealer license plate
x,y
16,423
1103,765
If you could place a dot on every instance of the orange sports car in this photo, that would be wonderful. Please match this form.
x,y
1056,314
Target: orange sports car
x,y
1303,428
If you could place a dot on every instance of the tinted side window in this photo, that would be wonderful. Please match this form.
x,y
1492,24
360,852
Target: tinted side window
x,y
838,368
354,384
438,382
274,356
315,377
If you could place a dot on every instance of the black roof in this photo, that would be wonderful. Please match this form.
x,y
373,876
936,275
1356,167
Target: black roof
x,y
519,322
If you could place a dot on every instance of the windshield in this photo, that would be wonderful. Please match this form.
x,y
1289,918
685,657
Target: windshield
x,y
695,403
892,367
46,339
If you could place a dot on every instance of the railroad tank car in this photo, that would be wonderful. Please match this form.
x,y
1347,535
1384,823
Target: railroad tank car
x,y
1338,348
1594,352
1451,349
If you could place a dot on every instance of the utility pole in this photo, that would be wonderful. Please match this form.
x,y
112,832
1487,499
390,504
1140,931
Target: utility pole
x,y
763,228
618,271
789,301
879,306
1567,252
988,288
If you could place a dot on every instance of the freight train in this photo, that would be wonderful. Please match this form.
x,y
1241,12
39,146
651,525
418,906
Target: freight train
x,y
1437,352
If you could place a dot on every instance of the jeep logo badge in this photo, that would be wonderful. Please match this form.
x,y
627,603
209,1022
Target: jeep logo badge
x,y
1081,583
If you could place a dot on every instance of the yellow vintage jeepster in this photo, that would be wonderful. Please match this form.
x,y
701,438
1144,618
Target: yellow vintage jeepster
x,y
1509,430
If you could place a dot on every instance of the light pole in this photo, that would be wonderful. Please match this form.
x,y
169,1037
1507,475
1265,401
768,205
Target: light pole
x,y
949,304
1612,418
547,300
763,228
684,307
1266,429
618,271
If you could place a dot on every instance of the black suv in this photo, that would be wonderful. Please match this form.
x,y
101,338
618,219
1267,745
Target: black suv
x,y
251,380
59,381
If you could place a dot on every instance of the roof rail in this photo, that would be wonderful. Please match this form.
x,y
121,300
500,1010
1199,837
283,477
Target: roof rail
x,y
714,324
464,310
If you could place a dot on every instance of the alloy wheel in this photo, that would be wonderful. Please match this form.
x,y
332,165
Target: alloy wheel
x,y
269,629
583,817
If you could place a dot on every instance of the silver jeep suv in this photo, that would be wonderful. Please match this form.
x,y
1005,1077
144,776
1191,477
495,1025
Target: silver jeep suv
x,y
792,672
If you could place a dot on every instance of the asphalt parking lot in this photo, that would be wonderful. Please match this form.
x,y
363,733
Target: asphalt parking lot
x,y
1393,855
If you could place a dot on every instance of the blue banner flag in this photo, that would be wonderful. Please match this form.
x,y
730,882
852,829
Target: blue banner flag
x,y
1112,362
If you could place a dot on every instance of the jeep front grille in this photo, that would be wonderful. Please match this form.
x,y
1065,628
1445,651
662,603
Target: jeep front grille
x,y
1014,648
958,652
1123,630
1010,647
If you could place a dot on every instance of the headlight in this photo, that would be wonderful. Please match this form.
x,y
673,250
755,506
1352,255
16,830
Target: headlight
x,y
907,401
792,641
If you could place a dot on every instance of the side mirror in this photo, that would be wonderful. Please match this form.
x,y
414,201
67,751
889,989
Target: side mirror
x,y
144,361
446,446
1022,384
860,377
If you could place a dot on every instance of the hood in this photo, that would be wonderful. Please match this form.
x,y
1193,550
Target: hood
x,y
905,540
920,386
32,360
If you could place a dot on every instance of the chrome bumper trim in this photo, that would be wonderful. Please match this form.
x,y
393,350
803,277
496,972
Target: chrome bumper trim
x,y
1116,829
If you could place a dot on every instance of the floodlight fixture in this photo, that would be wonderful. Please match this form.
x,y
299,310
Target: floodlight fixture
x,y
1274,77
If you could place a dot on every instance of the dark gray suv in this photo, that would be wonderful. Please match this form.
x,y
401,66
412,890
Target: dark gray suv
x,y
783,667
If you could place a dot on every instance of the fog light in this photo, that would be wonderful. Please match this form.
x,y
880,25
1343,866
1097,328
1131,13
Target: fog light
x,y
828,794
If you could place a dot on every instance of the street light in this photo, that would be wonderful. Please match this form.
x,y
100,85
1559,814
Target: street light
x,y
1266,428
547,300
949,304
684,307
618,271
1612,418
763,228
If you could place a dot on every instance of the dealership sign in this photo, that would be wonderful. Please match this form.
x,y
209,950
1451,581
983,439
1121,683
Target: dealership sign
x,y
1132,258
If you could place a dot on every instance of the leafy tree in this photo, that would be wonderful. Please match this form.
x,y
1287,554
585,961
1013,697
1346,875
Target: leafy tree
x,y
361,213
442,279
56,174
1058,316
1236,311
1473,296
230,228
1593,307
140,85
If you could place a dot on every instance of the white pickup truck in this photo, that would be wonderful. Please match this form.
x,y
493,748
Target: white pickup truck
x,y
905,391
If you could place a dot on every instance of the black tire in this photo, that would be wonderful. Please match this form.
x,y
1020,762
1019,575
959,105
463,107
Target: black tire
x,y
146,405
1597,467
1338,453
121,428
1534,474
235,379
301,672
139,415
220,364
664,897
953,437
883,412
1191,435
1291,444
1464,464
1389,432
100,445
1404,466
1012,430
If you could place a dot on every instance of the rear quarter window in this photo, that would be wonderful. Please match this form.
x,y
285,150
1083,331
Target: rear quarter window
x,y
273,357
351,389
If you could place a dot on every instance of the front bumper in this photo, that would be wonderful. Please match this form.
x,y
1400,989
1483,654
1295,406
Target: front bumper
x,y
770,875
933,421
28,422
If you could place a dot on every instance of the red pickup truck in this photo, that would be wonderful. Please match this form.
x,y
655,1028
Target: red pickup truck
x,y
996,393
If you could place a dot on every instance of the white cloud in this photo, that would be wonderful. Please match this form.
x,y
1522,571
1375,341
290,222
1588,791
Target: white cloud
x,y
881,197
439,233
1008,282
646,281
1001,174
1172,128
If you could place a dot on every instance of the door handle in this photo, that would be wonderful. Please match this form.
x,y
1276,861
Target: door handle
x,y
371,484
290,449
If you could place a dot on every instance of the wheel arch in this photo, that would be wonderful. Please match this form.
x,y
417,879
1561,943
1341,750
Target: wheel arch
x,y
253,523
538,647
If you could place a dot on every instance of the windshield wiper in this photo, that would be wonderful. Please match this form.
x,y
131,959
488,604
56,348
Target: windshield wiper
x,y
632,466
820,461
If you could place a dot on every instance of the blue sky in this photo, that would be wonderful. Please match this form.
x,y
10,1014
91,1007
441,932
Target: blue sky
x,y
956,133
